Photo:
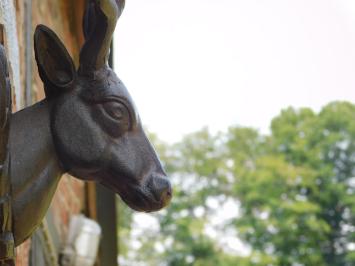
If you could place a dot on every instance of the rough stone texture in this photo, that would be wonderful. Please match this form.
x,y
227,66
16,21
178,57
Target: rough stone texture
x,y
64,17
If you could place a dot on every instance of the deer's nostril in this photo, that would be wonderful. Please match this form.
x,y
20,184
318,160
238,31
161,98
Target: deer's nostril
x,y
166,194
169,192
162,190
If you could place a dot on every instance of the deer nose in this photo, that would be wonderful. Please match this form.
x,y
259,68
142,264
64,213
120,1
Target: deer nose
x,y
162,190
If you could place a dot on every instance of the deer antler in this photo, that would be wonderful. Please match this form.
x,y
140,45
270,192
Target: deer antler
x,y
99,24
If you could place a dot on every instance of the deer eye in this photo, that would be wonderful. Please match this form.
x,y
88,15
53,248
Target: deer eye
x,y
113,116
115,110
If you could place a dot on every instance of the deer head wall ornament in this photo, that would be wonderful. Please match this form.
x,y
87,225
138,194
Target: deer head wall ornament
x,y
87,126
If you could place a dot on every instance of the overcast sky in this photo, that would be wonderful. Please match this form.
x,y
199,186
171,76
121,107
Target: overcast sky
x,y
195,63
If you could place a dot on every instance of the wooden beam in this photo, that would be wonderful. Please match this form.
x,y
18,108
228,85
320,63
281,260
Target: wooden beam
x,y
2,34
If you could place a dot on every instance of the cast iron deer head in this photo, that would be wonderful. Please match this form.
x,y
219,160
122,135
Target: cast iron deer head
x,y
87,126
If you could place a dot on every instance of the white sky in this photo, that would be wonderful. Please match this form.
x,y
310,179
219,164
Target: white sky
x,y
191,63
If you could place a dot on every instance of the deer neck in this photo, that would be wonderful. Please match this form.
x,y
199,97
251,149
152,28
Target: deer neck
x,y
35,168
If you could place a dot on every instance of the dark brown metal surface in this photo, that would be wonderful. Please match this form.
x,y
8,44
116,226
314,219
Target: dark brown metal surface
x,y
87,126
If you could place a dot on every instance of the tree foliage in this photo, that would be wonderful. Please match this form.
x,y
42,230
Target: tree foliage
x,y
287,197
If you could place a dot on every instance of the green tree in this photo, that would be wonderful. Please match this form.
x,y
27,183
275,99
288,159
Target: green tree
x,y
298,198
293,192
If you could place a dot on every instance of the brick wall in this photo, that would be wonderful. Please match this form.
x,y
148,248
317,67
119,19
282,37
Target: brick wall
x,y
64,17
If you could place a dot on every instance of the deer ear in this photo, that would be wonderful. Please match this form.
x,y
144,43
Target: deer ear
x,y
55,66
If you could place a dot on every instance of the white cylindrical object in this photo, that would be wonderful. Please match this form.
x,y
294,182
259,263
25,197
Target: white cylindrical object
x,y
82,243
